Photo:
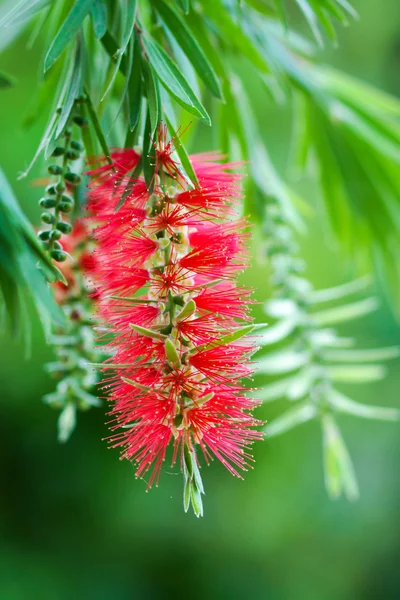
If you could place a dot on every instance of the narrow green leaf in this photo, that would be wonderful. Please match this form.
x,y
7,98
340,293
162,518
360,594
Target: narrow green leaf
x,y
356,373
99,18
135,384
171,353
153,96
147,162
362,356
75,85
290,419
68,30
187,490
278,332
226,339
347,312
182,154
135,88
129,25
312,19
22,12
111,47
281,12
197,502
147,332
339,291
119,54
344,404
188,310
66,422
173,81
184,5
98,129
190,47
338,468
43,143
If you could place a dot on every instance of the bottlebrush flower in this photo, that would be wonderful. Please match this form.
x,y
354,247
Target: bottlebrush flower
x,y
179,347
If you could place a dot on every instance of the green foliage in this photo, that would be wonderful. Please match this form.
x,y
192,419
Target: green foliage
x,y
131,65
306,357
20,277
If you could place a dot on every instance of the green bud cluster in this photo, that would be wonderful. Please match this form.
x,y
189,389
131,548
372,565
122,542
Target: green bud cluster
x,y
58,201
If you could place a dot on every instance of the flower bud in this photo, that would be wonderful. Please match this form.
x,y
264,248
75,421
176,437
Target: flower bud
x,y
44,235
58,151
55,170
65,207
55,234
60,187
47,202
47,218
51,190
58,255
72,178
64,227
72,155
76,146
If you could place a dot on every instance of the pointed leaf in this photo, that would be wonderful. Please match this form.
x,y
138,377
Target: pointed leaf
x,y
339,471
278,332
344,404
182,154
147,332
99,18
68,30
190,47
362,356
172,79
347,312
226,339
356,373
66,422
339,291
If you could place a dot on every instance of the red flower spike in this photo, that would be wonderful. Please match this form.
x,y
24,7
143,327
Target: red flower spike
x,y
183,252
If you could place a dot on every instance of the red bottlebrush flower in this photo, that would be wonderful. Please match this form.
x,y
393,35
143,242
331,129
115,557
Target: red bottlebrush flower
x,y
178,354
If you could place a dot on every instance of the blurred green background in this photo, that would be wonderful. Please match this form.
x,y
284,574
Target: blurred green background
x,y
75,524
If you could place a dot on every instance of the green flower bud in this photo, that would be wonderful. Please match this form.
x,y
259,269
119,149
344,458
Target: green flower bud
x,y
72,178
51,190
80,121
64,227
47,202
57,246
58,151
47,218
60,187
58,255
55,170
55,234
76,145
72,155
44,235
65,207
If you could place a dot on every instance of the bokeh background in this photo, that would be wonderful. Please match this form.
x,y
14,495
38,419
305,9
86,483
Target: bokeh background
x,y
75,524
